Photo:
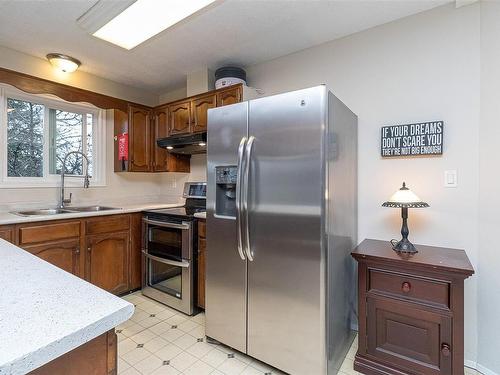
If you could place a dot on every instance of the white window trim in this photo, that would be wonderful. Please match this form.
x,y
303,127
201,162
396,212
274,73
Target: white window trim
x,y
98,178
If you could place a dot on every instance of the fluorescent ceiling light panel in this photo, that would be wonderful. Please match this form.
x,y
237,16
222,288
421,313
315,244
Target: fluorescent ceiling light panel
x,y
146,18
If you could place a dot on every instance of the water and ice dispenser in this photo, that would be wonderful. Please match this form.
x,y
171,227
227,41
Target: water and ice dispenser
x,y
225,196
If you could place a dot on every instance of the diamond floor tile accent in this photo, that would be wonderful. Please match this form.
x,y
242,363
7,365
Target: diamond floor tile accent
x,y
158,340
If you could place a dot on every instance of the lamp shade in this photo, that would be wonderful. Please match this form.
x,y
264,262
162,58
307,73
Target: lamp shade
x,y
404,197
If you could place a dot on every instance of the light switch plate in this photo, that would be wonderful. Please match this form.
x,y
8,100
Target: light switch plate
x,y
450,178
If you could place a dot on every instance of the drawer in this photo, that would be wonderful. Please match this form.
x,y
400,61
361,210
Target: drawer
x,y
202,229
7,233
48,232
107,224
414,288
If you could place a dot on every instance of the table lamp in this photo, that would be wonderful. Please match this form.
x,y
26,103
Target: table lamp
x,y
404,198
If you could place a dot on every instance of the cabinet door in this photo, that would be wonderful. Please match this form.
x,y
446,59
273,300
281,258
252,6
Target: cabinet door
x,y
200,106
160,130
108,259
414,339
65,254
230,96
179,118
139,139
7,233
201,272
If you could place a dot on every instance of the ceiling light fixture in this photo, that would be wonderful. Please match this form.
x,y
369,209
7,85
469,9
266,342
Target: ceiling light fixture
x,y
202,144
64,63
146,18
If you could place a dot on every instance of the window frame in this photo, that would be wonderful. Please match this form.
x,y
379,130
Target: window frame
x,y
52,102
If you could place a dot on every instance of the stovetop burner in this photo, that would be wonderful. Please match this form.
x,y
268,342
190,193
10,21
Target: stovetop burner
x,y
195,193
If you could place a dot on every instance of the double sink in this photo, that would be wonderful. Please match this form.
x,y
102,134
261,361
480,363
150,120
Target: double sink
x,y
60,211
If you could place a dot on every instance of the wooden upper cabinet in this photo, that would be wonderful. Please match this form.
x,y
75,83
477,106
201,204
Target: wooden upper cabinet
x,y
139,139
229,96
65,254
108,259
160,130
179,118
200,106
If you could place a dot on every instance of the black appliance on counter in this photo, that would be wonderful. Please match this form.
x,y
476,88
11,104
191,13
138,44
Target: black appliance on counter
x,y
170,247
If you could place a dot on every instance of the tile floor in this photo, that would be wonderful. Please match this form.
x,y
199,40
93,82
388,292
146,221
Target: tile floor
x,y
158,340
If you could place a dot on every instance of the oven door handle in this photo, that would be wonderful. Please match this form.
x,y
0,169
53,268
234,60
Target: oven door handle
x,y
184,225
184,263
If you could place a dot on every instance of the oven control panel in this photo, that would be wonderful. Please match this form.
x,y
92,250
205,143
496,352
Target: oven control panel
x,y
226,175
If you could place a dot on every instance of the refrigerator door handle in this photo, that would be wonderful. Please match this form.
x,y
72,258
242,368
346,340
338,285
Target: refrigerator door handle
x,y
239,178
248,155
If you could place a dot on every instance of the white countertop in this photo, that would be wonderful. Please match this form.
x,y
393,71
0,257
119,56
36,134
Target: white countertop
x,y
122,208
200,215
46,312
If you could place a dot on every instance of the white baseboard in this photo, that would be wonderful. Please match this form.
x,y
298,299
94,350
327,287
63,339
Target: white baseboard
x,y
476,366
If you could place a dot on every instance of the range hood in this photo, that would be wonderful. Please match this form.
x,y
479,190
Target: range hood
x,y
185,144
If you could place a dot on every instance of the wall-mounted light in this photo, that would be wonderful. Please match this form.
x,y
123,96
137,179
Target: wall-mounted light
x,y
64,63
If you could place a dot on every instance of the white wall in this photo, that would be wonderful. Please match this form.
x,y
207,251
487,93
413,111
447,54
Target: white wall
x,y
424,67
21,62
489,203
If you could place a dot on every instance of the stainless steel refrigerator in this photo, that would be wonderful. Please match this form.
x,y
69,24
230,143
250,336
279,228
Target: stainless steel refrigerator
x,y
281,222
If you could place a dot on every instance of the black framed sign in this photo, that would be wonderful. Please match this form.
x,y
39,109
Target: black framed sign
x,y
423,138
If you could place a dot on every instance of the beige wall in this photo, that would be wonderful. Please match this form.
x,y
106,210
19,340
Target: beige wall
x,y
421,68
24,63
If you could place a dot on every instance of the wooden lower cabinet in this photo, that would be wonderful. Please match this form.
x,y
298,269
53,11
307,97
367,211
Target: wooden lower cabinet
x,y
202,247
96,357
408,336
135,251
63,254
104,250
108,258
411,310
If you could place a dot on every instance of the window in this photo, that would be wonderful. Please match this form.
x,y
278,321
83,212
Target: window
x,y
39,133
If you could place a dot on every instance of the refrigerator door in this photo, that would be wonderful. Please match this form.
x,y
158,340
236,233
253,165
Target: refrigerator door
x,y
226,271
286,279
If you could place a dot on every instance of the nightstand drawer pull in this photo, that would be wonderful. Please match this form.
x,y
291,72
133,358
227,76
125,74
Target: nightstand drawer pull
x,y
406,287
445,350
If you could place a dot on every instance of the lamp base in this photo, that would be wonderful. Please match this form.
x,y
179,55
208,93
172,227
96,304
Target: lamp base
x,y
404,246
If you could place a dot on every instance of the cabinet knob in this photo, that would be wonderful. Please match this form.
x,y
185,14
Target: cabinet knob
x,y
89,249
445,350
77,250
406,287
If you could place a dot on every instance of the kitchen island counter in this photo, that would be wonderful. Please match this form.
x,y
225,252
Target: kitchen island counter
x,y
46,312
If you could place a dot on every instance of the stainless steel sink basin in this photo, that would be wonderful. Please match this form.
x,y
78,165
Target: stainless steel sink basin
x,y
92,208
67,210
42,212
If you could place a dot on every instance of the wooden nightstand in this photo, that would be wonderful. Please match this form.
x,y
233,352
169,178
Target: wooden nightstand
x,y
411,310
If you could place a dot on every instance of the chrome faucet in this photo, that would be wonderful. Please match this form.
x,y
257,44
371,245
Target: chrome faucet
x,y
86,180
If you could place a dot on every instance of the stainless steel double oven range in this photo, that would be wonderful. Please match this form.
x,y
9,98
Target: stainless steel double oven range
x,y
169,254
